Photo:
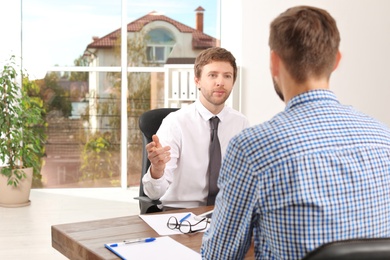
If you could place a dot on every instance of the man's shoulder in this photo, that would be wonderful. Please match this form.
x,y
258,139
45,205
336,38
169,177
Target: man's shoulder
x,y
235,114
234,111
264,134
181,114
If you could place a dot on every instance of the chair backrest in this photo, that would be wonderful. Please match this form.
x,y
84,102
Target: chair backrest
x,y
353,249
149,123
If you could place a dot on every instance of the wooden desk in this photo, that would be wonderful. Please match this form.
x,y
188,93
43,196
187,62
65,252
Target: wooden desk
x,y
85,240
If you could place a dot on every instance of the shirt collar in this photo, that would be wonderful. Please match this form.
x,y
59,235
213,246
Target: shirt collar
x,y
206,114
311,96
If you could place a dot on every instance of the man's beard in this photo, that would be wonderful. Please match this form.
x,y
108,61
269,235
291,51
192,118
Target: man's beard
x,y
277,90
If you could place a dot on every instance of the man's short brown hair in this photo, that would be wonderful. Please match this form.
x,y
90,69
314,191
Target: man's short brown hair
x,y
214,54
307,41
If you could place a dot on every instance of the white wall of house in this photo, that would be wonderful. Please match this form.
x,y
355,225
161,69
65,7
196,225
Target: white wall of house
x,y
108,57
361,79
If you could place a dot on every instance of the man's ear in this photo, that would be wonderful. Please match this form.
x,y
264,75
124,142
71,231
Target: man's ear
x,y
338,58
274,64
196,80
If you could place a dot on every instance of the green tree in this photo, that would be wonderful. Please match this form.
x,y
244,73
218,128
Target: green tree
x,y
55,97
78,75
97,160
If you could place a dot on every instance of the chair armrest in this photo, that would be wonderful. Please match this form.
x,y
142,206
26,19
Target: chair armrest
x,y
147,199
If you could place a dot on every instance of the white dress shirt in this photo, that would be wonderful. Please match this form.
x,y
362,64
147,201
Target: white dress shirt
x,y
187,131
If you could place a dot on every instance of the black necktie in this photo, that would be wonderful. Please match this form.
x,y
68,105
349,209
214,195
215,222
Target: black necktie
x,y
215,161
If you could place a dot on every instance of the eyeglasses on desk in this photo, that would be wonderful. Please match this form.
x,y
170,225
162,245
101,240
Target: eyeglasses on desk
x,y
185,226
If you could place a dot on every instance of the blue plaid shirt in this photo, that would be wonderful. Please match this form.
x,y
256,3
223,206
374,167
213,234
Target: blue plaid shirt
x,y
317,172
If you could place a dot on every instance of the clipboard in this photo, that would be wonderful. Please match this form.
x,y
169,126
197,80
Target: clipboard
x,y
114,251
163,248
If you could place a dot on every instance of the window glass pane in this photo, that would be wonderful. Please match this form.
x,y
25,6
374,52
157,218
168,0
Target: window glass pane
x,y
55,33
160,36
160,53
83,131
72,50
149,53
146,90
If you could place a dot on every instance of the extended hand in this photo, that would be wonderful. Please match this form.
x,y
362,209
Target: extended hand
x,y
158,157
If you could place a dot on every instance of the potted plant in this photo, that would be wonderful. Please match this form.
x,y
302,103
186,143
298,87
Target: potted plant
x,y
20,146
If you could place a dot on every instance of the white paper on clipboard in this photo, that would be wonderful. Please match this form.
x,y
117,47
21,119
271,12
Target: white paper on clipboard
x,y
163,248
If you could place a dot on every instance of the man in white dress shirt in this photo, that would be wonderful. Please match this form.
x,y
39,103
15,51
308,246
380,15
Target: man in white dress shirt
x,y
179,152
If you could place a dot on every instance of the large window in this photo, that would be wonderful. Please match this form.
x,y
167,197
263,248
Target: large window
x,y
75,52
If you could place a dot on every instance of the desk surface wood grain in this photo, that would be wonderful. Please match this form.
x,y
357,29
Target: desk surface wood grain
x,y
85,240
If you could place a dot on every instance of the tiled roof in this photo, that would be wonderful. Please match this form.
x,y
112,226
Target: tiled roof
x,y
200,40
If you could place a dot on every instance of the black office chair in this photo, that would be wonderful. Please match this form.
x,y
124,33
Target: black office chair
x,y
149,123
352,249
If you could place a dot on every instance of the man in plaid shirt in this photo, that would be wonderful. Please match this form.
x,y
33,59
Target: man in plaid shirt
x,y
317,172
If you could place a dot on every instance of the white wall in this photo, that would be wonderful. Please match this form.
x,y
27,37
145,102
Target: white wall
x,y
361,79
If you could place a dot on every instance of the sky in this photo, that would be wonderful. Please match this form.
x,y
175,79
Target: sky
x,y
56,32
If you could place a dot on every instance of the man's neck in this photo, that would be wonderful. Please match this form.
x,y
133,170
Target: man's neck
x,y
293,89
214,109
